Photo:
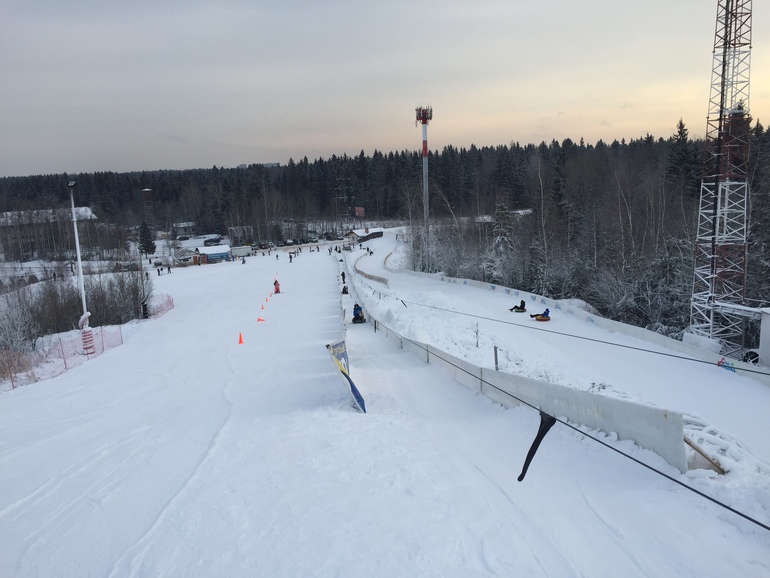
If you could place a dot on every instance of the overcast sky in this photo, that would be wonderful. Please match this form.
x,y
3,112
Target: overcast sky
x,y
89,85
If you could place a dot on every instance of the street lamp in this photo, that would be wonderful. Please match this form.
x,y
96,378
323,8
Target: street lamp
x,y
84,319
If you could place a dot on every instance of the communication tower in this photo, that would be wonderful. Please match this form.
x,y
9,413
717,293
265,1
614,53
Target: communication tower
x,y
424,115
719,283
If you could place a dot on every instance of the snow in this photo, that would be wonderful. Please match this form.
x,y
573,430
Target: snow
x,y
184,453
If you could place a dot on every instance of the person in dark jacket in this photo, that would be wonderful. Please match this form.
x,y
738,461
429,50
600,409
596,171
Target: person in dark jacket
x,y
358,314
520,307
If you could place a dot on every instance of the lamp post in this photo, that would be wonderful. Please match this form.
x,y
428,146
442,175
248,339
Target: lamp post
x,y
88,343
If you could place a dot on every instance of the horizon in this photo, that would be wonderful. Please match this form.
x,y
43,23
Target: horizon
x,y
281,164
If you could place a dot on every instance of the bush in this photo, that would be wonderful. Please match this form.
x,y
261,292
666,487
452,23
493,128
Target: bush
x,y
56,307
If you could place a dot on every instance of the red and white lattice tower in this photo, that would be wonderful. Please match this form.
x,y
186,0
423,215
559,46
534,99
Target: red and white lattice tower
x,y
424,115
719,282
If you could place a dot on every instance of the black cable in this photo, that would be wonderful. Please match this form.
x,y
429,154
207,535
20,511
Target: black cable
x,y
649,467
533,328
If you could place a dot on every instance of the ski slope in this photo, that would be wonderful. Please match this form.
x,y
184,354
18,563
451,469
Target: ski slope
x,y
185,453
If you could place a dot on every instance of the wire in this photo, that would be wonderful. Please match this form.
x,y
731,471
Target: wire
x,y
561,333
606,445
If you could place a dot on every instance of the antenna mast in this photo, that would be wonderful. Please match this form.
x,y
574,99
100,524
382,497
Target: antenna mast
x,y
719,284
424,115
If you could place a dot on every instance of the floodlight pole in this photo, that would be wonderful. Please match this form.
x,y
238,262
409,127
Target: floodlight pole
x,y
83,320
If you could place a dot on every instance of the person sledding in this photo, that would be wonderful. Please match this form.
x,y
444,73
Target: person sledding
x,y
544,316
520,308
276,286
358,314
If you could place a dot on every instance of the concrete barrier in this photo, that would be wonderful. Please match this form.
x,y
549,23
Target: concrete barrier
x,y
653,428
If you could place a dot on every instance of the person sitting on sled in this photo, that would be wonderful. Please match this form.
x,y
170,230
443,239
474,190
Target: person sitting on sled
x,y
344,289
358,314
546,313
276,286
520,307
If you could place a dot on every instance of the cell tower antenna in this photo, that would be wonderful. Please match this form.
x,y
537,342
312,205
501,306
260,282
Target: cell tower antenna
x,y
424,114
719,281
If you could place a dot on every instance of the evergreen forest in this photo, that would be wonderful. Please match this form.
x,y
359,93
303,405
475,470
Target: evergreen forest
x,y
612,224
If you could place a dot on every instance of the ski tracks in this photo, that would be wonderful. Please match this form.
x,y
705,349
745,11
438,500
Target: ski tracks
x,y
132,561
77,481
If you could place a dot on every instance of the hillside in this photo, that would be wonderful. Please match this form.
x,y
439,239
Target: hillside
x,y
183,452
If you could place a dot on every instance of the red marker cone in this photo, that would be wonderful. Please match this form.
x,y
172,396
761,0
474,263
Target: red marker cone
x,y
260,319
240,339
263,307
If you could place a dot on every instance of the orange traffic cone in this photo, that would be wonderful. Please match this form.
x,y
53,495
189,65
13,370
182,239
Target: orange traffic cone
x,y
263,307
240,339
260,319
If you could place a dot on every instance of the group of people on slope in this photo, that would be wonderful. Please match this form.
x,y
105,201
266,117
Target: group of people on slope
x,y
522,307
358,312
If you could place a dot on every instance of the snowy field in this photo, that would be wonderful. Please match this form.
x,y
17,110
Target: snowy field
x,y
185,453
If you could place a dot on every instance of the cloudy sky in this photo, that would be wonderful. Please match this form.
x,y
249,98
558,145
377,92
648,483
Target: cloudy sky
x,y
91,85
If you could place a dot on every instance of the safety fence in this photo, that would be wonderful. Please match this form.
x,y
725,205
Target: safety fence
x,y
656,429
653,428
160,305
368,275
18,368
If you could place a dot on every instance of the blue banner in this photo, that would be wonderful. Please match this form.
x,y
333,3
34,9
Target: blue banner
x,y
339,353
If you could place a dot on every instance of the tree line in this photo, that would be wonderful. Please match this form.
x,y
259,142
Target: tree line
x,y
610,223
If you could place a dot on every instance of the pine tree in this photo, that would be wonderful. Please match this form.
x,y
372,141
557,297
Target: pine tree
x,y
146,242
683,167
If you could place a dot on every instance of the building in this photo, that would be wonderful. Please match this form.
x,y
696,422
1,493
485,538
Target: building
x,y
186,228
357,236
43,233
212,254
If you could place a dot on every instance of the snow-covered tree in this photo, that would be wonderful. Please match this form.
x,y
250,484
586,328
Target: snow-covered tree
x,y
496,260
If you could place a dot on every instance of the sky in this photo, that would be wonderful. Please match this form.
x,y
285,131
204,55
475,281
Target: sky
x,y
183,452
114,86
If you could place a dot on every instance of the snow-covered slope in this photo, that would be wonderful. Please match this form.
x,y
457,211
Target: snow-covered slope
x,y
183,452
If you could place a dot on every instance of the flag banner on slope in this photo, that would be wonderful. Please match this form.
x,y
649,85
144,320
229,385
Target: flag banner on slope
x,y
339,353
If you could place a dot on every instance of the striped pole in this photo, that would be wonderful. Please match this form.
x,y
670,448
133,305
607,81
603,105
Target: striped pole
x,y
424,115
